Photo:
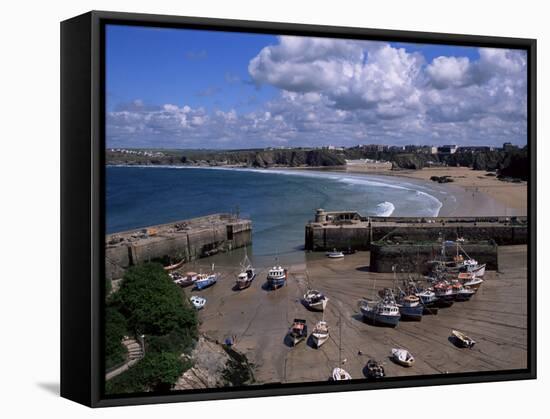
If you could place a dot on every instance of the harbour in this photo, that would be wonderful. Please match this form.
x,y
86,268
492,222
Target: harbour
x,y
258,321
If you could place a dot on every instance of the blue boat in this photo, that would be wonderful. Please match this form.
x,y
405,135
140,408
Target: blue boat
x,y
410,308
384,312
276,277
205,280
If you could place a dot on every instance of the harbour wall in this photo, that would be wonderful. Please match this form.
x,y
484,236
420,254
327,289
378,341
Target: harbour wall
x,y
415,257
349,230
171,243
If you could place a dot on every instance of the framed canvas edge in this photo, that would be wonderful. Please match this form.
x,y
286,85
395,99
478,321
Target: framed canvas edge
x,y
97,156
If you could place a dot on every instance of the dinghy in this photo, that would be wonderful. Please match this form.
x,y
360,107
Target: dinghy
x,y
340,374
463,340
320,333
402,357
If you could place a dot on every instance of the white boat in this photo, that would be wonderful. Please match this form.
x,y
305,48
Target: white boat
x,y
183,281
402,357
463,340
198,302
276,277
340,374
335,254
315,300
472,282
320,333
247,275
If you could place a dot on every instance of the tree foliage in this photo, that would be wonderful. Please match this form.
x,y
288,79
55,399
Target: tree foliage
x,y
152,303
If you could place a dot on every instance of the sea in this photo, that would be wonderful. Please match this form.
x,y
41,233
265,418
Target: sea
x,y
278,201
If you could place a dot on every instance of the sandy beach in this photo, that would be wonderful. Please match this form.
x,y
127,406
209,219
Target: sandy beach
x,y
473,188
259,319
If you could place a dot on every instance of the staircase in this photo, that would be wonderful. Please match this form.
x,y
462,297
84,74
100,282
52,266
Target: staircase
x,y
135,353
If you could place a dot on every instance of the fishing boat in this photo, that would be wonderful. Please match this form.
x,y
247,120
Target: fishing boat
x,y
429,301
464,293
198,302
383,312
335,254
315,300
203,281
276,277
340,374
320,333
374,369
472,282
183,281
463,340
247,274
298,331
444,292
410,307
402,357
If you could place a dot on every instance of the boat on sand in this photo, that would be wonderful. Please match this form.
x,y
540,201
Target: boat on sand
x,y
462,340
315,300
298,331
320,333
340,374
402,357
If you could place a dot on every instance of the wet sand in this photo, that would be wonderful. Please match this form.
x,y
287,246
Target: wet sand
x,y
477,193
496,317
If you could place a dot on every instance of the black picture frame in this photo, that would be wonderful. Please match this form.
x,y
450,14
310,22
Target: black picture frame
x,y
83,200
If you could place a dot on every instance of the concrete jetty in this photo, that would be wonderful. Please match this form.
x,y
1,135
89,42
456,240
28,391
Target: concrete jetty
x,y
350,229
171,243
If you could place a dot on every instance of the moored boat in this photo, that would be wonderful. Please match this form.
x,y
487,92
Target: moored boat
x,y
429,301
340,374
384,312
315,300
203,281
410,307
374,369
197,302
462,340
464,293
298,331
335,254
247,274
276,277
320,333
471,281
402,357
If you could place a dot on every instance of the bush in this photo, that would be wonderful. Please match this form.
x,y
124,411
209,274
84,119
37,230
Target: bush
x,y
152,303
115,330
155,372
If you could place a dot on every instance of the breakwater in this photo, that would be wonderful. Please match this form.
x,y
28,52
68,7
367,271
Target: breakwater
x,y
350,230
180,241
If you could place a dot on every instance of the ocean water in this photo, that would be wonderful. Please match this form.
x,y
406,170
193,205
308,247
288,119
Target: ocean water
x,y
279,202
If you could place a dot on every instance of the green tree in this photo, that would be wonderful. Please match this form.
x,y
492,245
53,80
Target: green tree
x,y
115,329
152,303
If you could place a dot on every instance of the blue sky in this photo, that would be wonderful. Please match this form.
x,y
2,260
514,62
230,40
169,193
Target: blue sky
x,y
191,88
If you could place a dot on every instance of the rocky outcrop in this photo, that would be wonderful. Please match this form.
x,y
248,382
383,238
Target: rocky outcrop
x,y
214,365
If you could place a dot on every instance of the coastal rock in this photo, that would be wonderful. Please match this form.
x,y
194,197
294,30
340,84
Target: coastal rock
x,y
214,366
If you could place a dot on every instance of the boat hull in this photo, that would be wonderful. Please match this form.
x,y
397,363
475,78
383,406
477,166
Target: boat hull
x,y
200,285
241,285
318,341
411,313
380,319
275,283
